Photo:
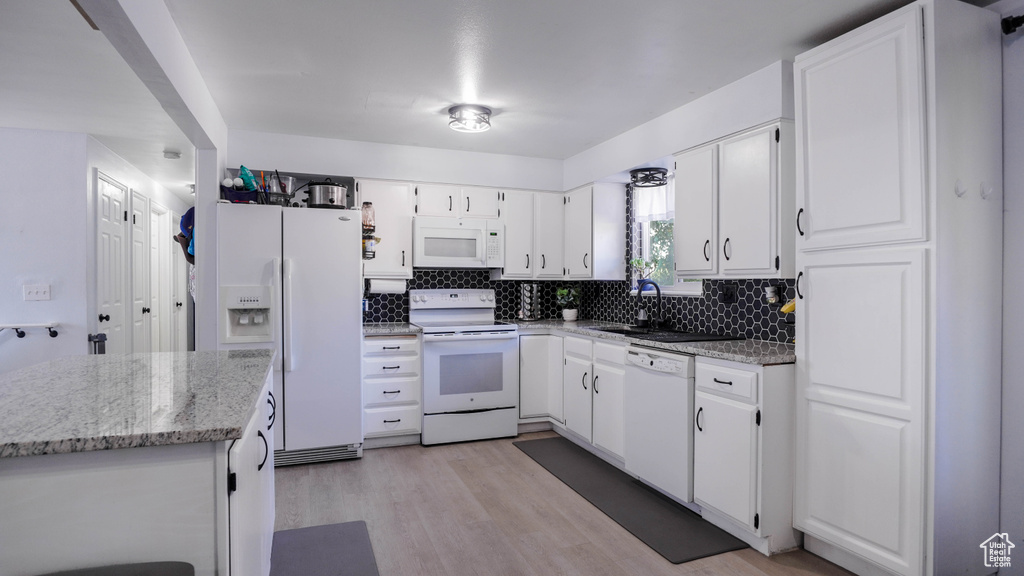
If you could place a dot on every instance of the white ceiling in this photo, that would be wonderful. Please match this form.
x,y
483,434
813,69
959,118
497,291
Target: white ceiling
x,y
561,75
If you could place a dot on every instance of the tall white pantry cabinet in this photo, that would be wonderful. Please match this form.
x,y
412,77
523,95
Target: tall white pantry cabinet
x,y
899,255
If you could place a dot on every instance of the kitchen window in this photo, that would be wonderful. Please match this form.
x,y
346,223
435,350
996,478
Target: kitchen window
x,y
654,218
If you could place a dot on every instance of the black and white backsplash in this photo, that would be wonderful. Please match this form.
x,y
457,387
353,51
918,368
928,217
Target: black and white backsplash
x,y
749,317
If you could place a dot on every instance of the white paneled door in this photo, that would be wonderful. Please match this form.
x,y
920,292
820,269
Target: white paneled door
x,y
862,152
860,450
111,255
139,219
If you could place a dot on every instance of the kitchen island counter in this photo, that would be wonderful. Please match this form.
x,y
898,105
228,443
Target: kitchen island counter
x,y
102,402
759,352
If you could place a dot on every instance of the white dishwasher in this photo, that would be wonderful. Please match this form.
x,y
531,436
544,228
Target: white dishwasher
x,y
659,420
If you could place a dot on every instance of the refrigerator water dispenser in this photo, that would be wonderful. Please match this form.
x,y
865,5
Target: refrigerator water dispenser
x,y
248,314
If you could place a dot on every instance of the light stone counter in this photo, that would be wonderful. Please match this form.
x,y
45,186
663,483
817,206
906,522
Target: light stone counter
x,y
101,402
390,329
760,352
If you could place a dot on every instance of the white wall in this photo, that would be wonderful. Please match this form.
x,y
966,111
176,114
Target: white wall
x,y
47,230
755,99
308,155
43,229
1012,488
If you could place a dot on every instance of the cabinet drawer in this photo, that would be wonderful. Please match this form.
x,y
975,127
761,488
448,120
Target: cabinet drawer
x,y
578,347
728,381
609,354
391,366
392,420
390,345
391,391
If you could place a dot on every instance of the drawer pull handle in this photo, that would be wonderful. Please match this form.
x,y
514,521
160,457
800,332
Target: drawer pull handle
x,y
707,257
392,392
726,382
798,228
390,367
390,347
596,376
392,421
696,419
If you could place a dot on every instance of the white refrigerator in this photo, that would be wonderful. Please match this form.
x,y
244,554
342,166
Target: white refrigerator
x,y
290,278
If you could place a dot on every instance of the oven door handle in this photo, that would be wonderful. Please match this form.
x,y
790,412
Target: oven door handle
x,y
474,337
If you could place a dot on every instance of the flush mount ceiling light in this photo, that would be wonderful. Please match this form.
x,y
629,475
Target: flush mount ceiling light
x,y
172,155
648,177
469,118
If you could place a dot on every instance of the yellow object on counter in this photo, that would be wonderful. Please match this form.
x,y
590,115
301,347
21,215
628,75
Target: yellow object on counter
x,y
789,307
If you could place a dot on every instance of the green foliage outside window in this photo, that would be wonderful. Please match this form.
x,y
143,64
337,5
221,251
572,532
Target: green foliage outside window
x,y
662,253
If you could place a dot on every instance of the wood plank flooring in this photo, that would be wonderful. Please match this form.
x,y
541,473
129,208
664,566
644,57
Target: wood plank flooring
x,y
485,508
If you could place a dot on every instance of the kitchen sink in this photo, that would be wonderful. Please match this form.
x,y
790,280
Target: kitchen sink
x,y
656,335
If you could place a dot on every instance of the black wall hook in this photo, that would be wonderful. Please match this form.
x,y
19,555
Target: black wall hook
x,y
19,332
1012,23
53,333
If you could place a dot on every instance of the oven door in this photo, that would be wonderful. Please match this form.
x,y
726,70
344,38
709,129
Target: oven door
x,y
470,372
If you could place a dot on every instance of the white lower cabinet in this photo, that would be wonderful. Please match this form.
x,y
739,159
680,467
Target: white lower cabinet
x,y
392,386
743,451
608,413
540,377
593,376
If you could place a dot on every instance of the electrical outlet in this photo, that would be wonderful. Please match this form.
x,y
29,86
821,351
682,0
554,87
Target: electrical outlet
x,y
36,291
729,293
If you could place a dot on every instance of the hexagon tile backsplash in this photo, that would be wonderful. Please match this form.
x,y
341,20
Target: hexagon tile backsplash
x,y
749,317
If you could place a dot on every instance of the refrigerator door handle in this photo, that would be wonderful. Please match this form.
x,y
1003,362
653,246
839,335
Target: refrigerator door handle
x,y
289,356
276,284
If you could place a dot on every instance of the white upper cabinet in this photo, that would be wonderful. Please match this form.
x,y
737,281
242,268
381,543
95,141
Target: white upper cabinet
x,y
579,231
861,163
734,206
696,224
479,202
393,211
517,214
456,201
548,211
747,196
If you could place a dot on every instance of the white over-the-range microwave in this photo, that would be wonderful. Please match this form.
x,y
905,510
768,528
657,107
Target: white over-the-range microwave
x,y
457,243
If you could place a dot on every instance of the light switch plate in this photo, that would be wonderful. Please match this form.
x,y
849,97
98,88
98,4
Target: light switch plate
x,y
36,291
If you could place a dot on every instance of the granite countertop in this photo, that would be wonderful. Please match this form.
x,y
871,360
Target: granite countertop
x,y
102,402
390,329
760,352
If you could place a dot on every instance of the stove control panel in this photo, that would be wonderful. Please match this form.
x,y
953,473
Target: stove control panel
x,y
443,298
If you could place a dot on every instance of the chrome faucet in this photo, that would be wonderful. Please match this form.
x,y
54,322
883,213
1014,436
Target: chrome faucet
x,y
641,320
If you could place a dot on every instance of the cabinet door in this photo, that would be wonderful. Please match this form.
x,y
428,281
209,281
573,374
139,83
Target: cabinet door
x,y
392,207
517,214
247,460
479,202
860,136
609,430
748,203
579,230
548,211
438,200
860,426
725,456
576,377
696,223
540,376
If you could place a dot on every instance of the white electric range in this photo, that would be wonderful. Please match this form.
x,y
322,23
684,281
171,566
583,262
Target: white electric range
x,y
470,366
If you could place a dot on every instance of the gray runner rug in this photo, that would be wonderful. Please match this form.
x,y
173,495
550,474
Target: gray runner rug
x,y
331,550
678,534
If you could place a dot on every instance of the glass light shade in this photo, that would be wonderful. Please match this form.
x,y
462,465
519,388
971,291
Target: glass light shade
x,y
469,118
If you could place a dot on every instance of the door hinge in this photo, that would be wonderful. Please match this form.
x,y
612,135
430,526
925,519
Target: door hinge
x,y
232,482
416,191
675,165
125,215
564,199
499,212
776,134
416,208
133,219
757,420
757,521
776,262
357,186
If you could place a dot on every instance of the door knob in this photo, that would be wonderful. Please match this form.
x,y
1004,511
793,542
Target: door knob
x,y
104,317
145,310
177,304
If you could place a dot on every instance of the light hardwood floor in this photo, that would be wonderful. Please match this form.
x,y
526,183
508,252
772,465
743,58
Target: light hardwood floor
x,y
486,508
